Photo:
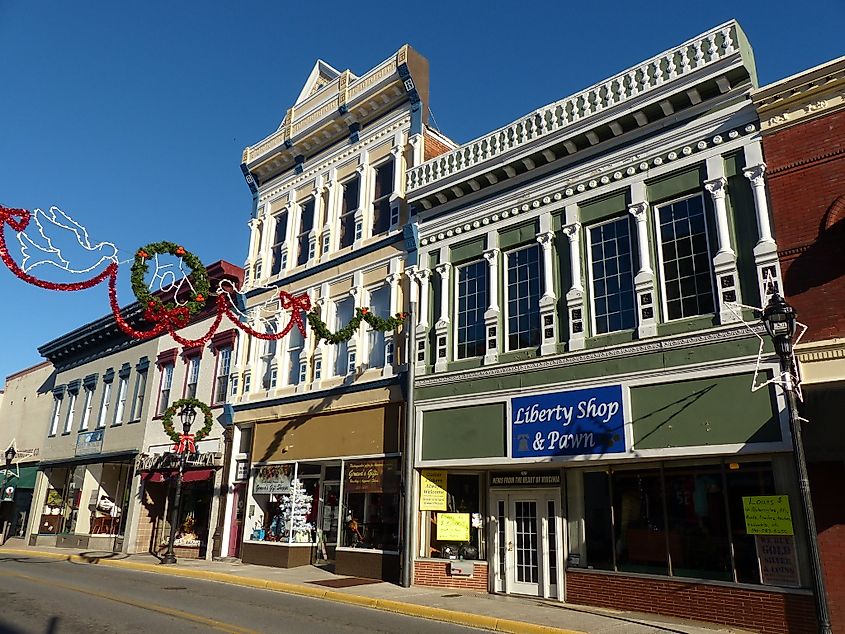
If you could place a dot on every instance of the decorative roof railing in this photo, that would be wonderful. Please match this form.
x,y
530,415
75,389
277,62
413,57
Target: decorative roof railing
x,y
690,56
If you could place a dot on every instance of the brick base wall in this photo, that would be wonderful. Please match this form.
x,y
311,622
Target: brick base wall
x,y
769,612
436,573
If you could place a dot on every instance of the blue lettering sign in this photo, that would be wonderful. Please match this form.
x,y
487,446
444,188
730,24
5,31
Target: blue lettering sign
x,y
572,423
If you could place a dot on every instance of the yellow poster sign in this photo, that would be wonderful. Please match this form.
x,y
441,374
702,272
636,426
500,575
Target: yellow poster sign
x,y
433,490
767,515
453,527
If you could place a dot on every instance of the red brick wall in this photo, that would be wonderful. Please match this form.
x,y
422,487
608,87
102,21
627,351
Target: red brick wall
x,y
433,147
758,610
826,481
436,573
806,176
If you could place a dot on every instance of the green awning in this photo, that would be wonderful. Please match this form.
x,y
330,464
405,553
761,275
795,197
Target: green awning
x,y
26,479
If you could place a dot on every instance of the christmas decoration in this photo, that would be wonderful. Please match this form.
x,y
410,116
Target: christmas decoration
x,y
197,282
345,333
293,513
185,442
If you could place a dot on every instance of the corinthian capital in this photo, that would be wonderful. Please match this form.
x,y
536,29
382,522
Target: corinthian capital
x,y
755,174
716,187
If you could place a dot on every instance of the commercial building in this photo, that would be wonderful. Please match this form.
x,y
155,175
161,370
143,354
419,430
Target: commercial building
x,y
106,464
320,424
593,421
802,119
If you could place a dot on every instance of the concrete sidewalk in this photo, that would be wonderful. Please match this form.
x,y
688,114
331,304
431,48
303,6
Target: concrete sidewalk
x,y
480,610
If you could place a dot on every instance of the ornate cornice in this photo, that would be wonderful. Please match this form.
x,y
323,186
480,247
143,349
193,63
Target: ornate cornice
x,y
580,357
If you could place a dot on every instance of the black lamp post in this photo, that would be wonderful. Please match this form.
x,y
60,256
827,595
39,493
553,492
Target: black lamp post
x,y
187,415
779,320
10,456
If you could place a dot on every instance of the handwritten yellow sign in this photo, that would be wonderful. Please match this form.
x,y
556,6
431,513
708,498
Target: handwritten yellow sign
x,y
453,527
433,490
767,515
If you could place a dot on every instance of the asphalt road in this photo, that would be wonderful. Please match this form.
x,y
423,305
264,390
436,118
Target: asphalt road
x,y
40,596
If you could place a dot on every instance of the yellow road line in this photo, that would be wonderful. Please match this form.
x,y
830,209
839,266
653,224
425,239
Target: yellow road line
x,y
181,614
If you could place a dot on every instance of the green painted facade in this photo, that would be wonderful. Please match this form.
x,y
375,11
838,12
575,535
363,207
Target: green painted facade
x,y
464,432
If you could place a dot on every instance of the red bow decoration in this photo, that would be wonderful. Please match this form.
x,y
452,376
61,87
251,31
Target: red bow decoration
x,y
297,305
185,444
174,318
9,215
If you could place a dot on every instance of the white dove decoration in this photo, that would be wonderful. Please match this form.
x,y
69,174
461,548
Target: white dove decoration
x,y
62,242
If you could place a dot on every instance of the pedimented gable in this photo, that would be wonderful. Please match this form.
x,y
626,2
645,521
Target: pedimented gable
x,y
321,74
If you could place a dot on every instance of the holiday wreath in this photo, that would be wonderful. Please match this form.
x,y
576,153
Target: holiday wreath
x,y
167,419
199,283
345,334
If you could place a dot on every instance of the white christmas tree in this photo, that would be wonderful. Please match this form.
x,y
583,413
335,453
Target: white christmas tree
x,y
294,508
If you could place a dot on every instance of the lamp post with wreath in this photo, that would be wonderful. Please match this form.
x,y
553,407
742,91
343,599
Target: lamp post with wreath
x,y
780,322
184,447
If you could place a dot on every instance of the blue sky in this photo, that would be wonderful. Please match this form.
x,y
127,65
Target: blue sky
x,y
132,117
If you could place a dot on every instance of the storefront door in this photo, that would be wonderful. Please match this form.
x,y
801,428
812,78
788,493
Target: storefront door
x,y
528,543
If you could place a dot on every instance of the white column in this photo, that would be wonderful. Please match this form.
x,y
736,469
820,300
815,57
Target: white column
x,y
492,257
546,240
639,211
254,228
765,251
755,174
441,328
330,220
417,153
644,279
423,276
573,232
491,315
724,262
716,187
548,322
444,270
575,295
363,215
398,152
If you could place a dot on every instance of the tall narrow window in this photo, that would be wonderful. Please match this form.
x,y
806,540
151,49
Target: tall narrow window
x,y
296,343
54,420
269,371
121,401
166,386
193,377
380,306
138,400
71,406
685,257
348,207
343,314
86,408
280,234
381,197
306,224
472,304
612,276
104,405
224,367
524,297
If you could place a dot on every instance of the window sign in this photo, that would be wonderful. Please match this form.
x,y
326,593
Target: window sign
x,y
89,442
778,563
767,515
571,423
433,490
273,479
453,527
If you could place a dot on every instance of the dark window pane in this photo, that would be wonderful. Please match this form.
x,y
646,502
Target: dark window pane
x,y
749,479
472,303
640,529
597,525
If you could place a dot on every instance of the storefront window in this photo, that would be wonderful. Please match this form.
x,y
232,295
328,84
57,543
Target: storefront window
x,y
286,506
597,520
371,504
638,515
462,496
749,479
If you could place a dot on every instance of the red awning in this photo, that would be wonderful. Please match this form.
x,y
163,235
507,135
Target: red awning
x,y
191,475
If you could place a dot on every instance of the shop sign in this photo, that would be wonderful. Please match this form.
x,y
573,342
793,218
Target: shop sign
x,y
433,490
273,479
89,442
371,476
778,562
525,479
767,515
570,423
170,461
453,527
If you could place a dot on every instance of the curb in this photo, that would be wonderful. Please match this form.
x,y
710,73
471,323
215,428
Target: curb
x,y
386,605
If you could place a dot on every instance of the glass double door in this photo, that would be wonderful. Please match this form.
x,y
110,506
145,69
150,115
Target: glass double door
x,y
528,543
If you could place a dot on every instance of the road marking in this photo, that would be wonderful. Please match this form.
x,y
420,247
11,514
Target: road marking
x,y
181,614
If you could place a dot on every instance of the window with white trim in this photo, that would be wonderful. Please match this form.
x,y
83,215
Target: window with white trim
x,y
71,406
379,306
523,293
138,400
165,388
343,314
247,382
121,401
193,377
381,196
686,267
306,224
269,372
86,408
54,420
471,305
224,368
104,405
612,276
278,259
296,344
348,207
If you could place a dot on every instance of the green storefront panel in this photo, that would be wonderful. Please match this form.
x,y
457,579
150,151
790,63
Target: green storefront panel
x,y
464,432
711,411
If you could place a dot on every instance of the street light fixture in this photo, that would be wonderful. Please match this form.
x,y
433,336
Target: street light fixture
x,y
780,321
10,456
187,415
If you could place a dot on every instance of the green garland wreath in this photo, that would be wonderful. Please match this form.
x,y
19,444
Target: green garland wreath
x,y
345,333
167,419
198,276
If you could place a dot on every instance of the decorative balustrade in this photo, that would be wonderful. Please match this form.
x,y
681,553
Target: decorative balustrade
x,y
686,58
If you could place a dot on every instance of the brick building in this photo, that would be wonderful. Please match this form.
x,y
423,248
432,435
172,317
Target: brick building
x,y
803,125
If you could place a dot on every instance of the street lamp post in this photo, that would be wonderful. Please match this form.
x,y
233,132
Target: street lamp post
x,y
187,415
779,320
10,456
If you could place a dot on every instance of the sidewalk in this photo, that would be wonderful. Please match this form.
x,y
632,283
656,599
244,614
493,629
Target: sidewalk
x,y
493,612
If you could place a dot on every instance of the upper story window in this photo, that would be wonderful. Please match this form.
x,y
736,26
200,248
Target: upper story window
x,y
471,306
269,374
379,305
165,388
611,276
193,377
87,407
306,224
343,314
54,419
685,258
381,197
296,344
121,400
277,255
224,367
523,297
138,400
104,404
348,206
